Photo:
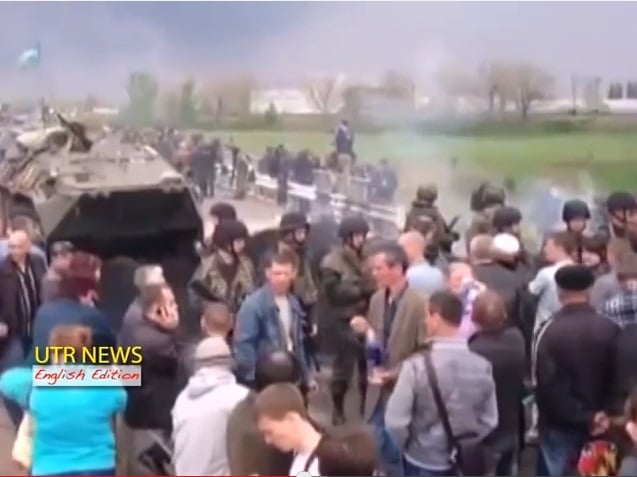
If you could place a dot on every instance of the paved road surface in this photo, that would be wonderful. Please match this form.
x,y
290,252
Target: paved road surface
x,y
257,215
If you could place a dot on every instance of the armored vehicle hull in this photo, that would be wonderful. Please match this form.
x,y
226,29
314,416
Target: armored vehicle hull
x,y
123,202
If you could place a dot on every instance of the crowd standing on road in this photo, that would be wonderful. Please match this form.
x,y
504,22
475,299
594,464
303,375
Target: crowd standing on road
x,y
456,364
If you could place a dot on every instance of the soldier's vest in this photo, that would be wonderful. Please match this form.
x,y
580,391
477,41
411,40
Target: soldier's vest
x,y
231,293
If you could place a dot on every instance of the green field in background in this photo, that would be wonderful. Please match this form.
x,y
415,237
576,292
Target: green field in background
x,y
610,158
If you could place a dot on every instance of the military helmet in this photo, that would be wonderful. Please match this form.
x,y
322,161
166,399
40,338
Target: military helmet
x,y
352,225
223,211
427,193
486,195
575,209
291,221
227,231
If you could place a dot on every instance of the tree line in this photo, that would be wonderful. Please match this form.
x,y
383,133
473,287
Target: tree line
x,y
501,86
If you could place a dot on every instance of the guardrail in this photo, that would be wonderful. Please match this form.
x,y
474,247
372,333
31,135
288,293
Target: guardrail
x,y
385,220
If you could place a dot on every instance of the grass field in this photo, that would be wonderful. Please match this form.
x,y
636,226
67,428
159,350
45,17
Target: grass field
x,y
610,158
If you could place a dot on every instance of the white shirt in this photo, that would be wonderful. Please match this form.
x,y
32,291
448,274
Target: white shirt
x,y
300,462
285,315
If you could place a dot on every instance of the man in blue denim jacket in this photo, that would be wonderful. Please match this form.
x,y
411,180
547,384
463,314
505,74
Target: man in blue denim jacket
x,y
270,319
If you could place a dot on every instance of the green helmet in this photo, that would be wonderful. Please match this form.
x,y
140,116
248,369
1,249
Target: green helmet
x,y
427,193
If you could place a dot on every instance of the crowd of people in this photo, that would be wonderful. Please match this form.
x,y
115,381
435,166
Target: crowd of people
x,y
445,356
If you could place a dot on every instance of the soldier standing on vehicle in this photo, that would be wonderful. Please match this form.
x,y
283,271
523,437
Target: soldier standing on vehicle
x,y
344,139
347,287
227,274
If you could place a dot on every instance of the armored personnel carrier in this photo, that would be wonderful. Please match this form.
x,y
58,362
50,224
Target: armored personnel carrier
x,y
123,202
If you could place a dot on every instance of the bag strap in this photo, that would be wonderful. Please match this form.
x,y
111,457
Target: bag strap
x,y
311,458
452,446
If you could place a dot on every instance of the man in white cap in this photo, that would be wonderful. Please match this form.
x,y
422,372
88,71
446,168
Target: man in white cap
x,y
204,405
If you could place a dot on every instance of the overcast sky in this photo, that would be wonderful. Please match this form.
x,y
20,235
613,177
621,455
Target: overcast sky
x,y
91,47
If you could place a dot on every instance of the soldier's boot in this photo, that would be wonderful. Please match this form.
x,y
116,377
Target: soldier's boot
x,y
362,392
339,390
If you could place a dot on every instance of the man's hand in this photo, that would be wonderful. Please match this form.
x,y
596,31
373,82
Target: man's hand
x,y
379,376
359,324
601,423
4,330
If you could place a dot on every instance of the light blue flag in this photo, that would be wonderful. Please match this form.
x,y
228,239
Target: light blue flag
x,y
30,58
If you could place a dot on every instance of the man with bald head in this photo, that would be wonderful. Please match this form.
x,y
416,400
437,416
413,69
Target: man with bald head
x,y
421,275
21,275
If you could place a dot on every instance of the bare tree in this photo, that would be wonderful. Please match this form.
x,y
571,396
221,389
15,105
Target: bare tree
x,y
520,83
532,83
231,95
325,93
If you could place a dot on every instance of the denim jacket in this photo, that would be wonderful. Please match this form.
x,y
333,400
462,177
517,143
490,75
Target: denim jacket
x,y
258,330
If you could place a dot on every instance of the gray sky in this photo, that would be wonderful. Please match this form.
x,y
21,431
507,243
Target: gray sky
x,y
92,47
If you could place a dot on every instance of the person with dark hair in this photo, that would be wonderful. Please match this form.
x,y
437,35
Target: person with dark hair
x,y
148,411
285,424
559,251
270,319
248,453
574,373
608,285
503,346
352,454
221,211
394,329
61,253
622,211
75,304
464,382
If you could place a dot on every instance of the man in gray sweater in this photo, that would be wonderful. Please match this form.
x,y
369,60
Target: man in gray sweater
x,y
466,385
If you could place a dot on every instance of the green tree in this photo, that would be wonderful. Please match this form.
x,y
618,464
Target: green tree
x,y
187,104
142,89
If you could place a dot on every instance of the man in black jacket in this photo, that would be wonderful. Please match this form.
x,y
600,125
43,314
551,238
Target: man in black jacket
x,y
575,365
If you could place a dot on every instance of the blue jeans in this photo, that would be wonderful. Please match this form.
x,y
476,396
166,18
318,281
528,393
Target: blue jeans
x,y
391,459
558,451
412,470
12,356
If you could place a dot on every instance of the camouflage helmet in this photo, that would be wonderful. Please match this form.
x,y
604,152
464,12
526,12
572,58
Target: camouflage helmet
x,y
486,195
575,209
427,193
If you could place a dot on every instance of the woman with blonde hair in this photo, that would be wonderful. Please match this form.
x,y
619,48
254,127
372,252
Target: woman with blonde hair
x,y
72,427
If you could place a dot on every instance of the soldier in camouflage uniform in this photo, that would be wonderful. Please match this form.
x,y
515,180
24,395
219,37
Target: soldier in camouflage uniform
x,y
485,200
227,274
425,206
346,287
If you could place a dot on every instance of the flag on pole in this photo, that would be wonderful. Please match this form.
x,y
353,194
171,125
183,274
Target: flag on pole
x,y
30,58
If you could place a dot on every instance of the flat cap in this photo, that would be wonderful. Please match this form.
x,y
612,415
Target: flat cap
x,y
574,278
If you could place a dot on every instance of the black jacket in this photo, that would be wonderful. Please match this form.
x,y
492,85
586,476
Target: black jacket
x,y
508,281
625,365
575,368
504,349
10,310
149,406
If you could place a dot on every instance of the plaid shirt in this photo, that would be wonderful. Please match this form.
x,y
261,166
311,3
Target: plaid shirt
x,y
622,307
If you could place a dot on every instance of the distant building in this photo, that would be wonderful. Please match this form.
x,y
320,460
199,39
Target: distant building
x,y
285,101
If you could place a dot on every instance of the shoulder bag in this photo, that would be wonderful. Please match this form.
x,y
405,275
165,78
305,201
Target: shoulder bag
x,y
467,455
